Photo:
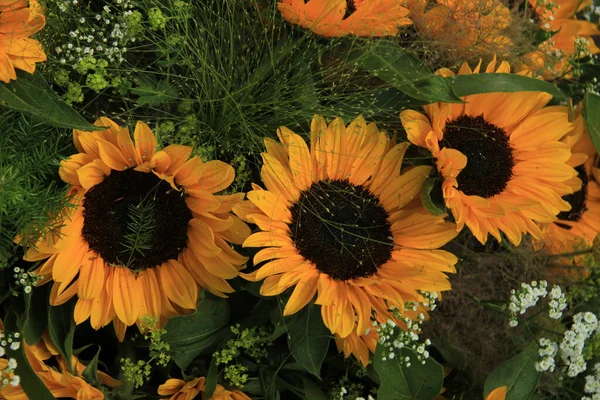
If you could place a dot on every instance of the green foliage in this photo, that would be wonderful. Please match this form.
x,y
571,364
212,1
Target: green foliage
x,y
432,197
61,327
90,373
308,339
591,113
141,221
159,349
36,315
518,374
402,380
137,373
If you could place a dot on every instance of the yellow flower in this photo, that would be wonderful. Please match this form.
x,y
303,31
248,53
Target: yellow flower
x,y
145,231
339,222
177,389
19,19
500,156
346,17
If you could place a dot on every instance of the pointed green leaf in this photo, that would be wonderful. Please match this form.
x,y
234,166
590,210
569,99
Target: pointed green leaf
x,y
191,335
90,373
36,315
308,339
465,85
32,95
518,374
591,114
61,327
397,67
399,382
211,379
432,197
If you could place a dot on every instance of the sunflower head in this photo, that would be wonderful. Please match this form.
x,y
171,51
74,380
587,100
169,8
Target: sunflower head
x,y
339,224
501,158
145,231
176,389
346,17
19,19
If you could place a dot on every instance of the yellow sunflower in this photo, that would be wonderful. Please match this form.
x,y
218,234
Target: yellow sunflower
x,y
562,19
145,230
500,156
576,229
60,382
19,19
466,28
346,17
177,389
338,220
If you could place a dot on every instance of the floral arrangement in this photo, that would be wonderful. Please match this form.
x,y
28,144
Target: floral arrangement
x,y
299,199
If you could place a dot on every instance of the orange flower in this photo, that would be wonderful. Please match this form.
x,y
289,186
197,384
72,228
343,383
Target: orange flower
x,y
346,17
180,390
497,394
19,19
145,232
467,27
500,157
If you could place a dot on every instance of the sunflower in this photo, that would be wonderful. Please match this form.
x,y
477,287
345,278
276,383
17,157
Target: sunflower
x,y
500,157
60,382
177,389
346,17
466,28
576,229
339,220
570,39
19,19
144,229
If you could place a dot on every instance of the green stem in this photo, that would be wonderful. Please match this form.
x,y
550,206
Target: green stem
x,y
571,254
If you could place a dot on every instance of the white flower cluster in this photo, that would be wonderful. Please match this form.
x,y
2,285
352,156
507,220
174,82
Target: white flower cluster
x,y
430,300
585,324
8,373
527,297
104,35
548,350
592,385
343,393
393,338
25,279
557,303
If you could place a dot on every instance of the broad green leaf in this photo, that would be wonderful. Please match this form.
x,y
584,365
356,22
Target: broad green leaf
x,y
591,114
211,379
308,339
30,383
61,327
90,373
397,67
154,93
518,374
432,198
32,95
399,382
465,85
190,335
312,391
36,314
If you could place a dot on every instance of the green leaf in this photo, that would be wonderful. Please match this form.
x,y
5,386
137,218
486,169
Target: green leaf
x,y
190,335
395,66
518,374
308,339
591,114
399,382
211,379
31,384
32,95
90,373
61,327
154,93
432,197
36,315
312,391
465,85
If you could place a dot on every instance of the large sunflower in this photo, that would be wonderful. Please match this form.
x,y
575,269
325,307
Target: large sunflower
x,y
176,389
500,157
338,221
576,229
144,232
19,19
561,18
346,17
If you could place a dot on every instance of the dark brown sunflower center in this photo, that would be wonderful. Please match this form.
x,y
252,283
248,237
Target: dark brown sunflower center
x,y
576,200
350,8
135,219
489,155
342,228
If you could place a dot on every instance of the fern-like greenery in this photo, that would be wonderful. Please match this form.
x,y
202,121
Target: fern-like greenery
x,y
140,225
